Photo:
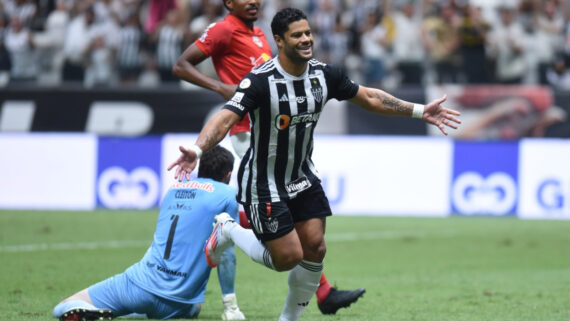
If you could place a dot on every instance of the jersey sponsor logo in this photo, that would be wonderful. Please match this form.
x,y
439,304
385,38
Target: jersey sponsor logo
x,y
237,97
185,194
257,41
171,272
298,185
301,99
272,224
180,206
208,187
234,104
244,84
284,121
284,98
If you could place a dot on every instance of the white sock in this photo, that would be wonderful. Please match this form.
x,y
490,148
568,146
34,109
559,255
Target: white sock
x,y
303,282
63,307
247,242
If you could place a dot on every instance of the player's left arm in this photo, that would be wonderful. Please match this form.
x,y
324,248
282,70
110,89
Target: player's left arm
x,y
380,102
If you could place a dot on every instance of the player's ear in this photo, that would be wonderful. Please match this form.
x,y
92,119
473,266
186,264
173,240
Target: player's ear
x,y
229,4
228,177
278,41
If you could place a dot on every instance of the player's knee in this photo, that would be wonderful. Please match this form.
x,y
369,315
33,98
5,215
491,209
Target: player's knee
x,y
315,251
285,261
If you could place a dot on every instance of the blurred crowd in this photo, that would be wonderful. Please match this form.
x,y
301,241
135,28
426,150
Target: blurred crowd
x,y
388,43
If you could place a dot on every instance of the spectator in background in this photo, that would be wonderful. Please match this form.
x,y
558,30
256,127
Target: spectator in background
x,y
157,10
50,43
5,64
76,42
408,51
558,74
19,44
129,56
100,53
373,42
23,9
473,38
441,40
338,41
100,61
170,36
507,46
323,20
549,36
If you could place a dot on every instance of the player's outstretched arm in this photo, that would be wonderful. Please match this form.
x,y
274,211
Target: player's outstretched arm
x,y
212,133
380,102
185,69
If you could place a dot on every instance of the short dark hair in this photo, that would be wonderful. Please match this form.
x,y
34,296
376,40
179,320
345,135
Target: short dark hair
x,y
216,163
283,18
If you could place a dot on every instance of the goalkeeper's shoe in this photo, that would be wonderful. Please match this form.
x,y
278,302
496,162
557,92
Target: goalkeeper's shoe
x,y
218,241
231,309
82,314
339,299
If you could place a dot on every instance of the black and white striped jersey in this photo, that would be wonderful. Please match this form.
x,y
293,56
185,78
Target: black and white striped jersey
x,y
283,111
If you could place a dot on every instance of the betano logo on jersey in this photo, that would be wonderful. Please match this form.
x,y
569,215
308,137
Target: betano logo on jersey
x,y
282,122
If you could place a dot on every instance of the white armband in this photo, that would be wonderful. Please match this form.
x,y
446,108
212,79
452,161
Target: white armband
x,y
418,111
196,150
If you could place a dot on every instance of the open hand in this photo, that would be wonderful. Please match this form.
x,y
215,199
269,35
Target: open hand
x,y
440,116
186,164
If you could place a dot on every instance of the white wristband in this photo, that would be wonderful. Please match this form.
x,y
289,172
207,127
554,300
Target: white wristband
x,y
418,111
196,150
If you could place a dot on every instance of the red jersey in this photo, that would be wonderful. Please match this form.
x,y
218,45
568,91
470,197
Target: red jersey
x,y
235,50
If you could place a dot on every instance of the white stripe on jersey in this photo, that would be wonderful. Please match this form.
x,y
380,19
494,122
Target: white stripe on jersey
x,y
268,66
255,219
272,148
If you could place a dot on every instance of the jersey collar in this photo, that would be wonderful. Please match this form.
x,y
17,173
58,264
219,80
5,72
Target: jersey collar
x,y
236,21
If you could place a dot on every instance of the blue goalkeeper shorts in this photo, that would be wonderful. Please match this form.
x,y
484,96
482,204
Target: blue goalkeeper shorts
x,y
123,297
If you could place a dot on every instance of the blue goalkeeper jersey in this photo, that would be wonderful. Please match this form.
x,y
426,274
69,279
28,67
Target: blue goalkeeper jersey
x,y
174,267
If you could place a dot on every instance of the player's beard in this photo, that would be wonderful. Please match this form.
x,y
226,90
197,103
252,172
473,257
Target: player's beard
x,y
295,55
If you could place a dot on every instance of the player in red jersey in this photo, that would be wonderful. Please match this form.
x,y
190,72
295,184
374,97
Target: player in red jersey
x,y
237,46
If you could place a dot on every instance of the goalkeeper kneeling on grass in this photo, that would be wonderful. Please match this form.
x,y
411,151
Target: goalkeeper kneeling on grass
x,y
170,280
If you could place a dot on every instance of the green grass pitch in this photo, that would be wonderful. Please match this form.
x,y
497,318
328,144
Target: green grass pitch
x,y
412,268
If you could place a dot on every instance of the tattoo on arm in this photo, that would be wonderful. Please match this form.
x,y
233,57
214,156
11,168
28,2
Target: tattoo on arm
x,y
210,139
393,104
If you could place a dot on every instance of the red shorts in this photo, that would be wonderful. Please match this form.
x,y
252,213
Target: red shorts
x,y
241,126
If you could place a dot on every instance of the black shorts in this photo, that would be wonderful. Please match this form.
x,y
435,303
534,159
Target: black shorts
x,y
271,221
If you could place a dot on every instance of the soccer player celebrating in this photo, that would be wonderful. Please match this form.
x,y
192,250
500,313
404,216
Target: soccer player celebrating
x,y
278,184
236,46
170,280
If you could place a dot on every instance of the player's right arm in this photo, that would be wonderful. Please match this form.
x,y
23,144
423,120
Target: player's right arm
x,y
185,68
213,132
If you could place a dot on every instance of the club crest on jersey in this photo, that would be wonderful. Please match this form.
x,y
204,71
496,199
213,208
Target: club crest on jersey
x,y
257,41
317,93
272,225
284,121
